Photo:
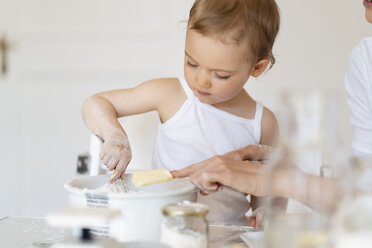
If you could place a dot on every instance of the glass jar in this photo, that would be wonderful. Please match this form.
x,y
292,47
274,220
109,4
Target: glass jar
x,y
184,225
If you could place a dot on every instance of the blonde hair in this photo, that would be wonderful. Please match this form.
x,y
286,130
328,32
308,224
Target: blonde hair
x,y
254,21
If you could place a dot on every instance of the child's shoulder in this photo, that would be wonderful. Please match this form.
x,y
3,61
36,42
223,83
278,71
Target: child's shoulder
x,y
269,128
172,84
171,95
268,116
163,82
170,88
166,85
161,88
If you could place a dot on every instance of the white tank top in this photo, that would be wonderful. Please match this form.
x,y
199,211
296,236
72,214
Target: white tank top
x,y
199,131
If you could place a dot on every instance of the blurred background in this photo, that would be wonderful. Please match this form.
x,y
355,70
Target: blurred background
x,y
56,53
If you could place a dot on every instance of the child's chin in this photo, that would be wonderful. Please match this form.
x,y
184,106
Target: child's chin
x,y
204,100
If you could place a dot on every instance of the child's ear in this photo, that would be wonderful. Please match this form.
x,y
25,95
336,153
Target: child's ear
x,y
260,67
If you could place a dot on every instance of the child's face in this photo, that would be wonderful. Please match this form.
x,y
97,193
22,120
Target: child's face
x,y
215,71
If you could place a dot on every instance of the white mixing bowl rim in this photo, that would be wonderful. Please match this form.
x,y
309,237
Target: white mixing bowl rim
x,y
190,189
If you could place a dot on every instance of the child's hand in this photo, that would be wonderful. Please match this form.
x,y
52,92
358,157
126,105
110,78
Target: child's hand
x,y
116,154
257,218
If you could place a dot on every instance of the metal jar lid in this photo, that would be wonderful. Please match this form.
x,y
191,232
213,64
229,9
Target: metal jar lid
x,y
185,208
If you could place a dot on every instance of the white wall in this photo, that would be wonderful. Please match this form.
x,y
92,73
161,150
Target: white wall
x,y
312,52
313,46
65,58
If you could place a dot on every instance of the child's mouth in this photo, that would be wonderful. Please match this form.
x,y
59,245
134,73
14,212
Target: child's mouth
x,y
202,93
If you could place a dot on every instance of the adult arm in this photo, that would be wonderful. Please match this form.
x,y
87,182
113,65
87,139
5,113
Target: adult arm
x,y
251,178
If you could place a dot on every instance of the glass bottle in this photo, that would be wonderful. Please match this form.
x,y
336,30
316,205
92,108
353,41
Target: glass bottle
x,y
184,225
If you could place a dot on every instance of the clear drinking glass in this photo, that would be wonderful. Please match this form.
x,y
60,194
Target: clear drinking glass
x,y
312,141
314,128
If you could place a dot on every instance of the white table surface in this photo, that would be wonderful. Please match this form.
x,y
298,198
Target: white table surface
x,y
31,232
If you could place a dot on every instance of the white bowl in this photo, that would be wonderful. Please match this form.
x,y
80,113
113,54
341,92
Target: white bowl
x,y
141,209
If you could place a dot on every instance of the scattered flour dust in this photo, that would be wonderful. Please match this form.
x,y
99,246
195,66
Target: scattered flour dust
x,y
111,188
107,188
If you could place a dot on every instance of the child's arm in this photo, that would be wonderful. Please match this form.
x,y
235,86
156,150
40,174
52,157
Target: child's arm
x,y
270,137
269,129
101,112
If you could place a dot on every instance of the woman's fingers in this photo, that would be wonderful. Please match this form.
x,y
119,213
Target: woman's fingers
x,y
235,155
207,175
251,152
257,152
210,174
186,172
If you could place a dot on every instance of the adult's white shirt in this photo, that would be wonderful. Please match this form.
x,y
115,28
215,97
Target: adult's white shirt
x,y
358,82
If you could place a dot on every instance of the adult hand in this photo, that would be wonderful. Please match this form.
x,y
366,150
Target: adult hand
x,y
251,152
243,176
234,170
116,155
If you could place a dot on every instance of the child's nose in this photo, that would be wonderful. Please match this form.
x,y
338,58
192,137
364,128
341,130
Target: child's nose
x,y
203,80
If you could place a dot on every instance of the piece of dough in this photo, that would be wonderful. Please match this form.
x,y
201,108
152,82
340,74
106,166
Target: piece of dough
x,y
148,177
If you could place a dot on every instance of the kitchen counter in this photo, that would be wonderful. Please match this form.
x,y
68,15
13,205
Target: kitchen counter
x,y
30,232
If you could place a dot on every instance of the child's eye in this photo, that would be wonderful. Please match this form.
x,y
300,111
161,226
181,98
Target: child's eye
x,y
192,65
222,77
